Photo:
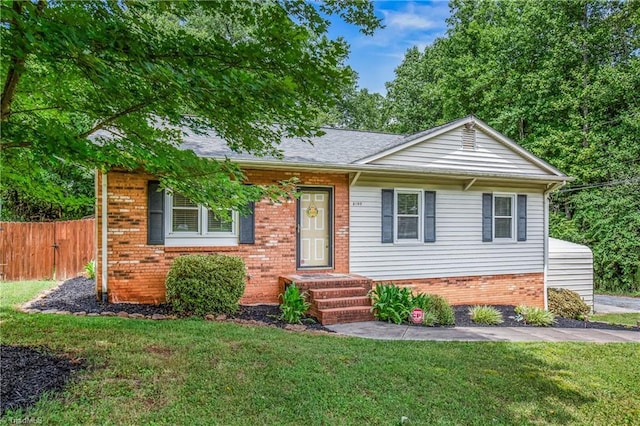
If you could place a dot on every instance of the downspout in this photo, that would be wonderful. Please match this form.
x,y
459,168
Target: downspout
x,y
105,288
546,233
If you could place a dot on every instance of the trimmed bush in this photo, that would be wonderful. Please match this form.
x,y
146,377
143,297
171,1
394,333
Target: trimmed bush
x,y
535,316
205,284
567,304
485,315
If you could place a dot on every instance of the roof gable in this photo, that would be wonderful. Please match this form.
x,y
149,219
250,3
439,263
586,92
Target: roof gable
x,y
466,144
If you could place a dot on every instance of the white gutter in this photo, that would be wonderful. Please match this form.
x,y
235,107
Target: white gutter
x,y
105,288
395,170
545,198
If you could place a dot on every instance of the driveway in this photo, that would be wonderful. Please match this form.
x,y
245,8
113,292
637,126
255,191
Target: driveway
x,y
616,304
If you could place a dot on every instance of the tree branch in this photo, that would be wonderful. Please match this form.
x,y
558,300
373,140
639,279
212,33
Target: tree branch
x,y
14,72
8,145
24,111
114,117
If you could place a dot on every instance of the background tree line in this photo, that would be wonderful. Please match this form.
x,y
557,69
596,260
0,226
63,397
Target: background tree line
x,y
562,79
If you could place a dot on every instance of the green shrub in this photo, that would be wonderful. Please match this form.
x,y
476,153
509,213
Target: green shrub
x,y
535,316
205,284
394,304
485,315
441,309
90,269
294,305
429,319
391,303
567,304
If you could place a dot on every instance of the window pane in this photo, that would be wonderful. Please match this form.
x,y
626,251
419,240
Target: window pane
x,y
503,228
503,206
215,224
407,228
181,201
407,203
185,220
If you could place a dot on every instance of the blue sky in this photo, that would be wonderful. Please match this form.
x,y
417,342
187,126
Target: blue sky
x,y
408,23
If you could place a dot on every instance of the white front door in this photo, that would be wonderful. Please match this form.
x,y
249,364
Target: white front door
x,y
314,228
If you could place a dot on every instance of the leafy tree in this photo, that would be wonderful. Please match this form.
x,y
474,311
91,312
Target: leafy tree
x,y
110,84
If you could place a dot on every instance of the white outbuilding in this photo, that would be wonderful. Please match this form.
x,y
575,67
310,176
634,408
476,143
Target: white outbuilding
x,y
571,267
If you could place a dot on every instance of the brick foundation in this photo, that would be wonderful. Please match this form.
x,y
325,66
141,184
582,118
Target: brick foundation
x,y
508,289
136,271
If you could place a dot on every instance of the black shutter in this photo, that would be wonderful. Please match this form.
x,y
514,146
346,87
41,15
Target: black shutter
x,y
429,216
155,213
387,215
487,217
522,217
247,225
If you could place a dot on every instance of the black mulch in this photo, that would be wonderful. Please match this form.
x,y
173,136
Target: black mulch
x,y
79,295
510,320
27,373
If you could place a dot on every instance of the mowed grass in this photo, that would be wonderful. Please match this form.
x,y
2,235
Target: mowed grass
x,y
201,373
623,319
18,292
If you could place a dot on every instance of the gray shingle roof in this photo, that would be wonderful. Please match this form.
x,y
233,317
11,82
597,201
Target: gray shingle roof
x,y
336,146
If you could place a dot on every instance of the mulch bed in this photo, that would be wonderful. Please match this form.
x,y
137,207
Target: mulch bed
x,y
509,316
27,373
79,295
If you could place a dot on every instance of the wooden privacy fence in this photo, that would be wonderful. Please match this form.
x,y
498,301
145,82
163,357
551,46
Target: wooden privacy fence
x,y
45,250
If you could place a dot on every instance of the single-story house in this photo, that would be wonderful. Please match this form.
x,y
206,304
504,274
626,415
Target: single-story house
x,y
459,210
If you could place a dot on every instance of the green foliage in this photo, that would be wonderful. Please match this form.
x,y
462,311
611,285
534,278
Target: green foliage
x,y
294,305
391,303
51,190
609,220
485,315
394,304
90,269
205,284
441,309
567,304
535,316
73,91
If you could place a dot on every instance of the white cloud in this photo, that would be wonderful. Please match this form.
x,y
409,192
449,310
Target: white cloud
x,y
407,21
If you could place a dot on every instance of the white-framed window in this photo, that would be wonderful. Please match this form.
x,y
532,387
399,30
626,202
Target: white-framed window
x,y
504,217
190,224
408,215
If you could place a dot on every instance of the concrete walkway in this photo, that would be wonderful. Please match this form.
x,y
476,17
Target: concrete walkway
x,y
385,331
604,304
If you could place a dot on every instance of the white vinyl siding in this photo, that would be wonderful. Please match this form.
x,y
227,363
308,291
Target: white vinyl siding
x,y
458,250
446,152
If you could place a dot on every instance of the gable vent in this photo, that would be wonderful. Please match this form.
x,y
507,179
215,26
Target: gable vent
x,y
468,137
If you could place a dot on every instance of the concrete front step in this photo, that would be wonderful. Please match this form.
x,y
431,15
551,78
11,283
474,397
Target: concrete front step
x,y
344,315
335,293
342,302
306,282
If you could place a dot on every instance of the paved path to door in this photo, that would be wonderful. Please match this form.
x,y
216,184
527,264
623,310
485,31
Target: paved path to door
x,y
615,304
385,331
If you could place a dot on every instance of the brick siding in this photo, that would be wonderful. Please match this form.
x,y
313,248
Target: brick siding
x,y
508,289
137,271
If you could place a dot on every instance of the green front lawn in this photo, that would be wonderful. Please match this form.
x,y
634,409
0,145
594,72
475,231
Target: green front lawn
x,y
201,373
624,319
